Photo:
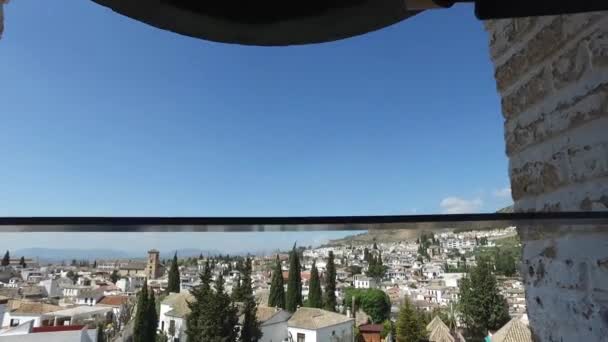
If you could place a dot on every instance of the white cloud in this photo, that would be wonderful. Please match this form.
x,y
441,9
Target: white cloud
x,y
503,193
456,205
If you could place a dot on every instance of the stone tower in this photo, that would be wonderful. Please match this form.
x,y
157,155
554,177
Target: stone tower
x,y
153,268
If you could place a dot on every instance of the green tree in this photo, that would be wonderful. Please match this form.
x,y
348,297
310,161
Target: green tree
x,y
243,288
94,263
114,276
409,325
482,306
330,284
22,262
141,325
366,255
173,283
354,269
376,268
200,321
6,260
373,302
224,316
276,297
294,282
72,276
152,317
315,297
250,330
505,262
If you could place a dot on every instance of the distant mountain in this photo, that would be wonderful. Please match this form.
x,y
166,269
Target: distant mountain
x,y
58,254
506,210
188,252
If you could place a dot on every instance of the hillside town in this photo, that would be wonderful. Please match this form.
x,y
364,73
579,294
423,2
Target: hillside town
x,y
374,286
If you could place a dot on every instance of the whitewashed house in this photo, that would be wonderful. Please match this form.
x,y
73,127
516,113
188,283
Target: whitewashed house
x,y
173,312
363,282
317,325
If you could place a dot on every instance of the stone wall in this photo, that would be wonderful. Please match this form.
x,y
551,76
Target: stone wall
x,y
552,76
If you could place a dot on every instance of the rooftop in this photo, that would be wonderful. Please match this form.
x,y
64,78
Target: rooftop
x,y
514,331
113,300
178,303
25,308
312,319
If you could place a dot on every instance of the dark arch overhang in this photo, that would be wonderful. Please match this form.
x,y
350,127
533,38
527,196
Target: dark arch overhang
x,y
266,23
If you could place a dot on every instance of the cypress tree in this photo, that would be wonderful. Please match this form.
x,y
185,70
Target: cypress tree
x,y
141,324
225,315
173,284
481,304
366,255
315,297
409,326
276,297
114,276
6,260
294,283
199,322
22,262
152,317
242,290
250,331
330,287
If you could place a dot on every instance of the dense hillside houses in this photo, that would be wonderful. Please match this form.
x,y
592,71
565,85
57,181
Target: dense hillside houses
x,y
72,299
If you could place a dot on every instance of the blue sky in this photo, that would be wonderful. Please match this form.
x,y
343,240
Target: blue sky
x,y
103,115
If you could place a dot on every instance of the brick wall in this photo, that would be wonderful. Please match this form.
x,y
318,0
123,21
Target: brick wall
x,y
552,76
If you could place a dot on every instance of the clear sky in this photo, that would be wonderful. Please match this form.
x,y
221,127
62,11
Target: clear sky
x,y
103,115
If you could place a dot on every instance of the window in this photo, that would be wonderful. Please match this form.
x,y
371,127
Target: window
x,y
14,322
301,337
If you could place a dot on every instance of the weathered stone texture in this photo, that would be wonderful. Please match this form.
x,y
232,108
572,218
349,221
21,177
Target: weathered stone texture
x,y
552,75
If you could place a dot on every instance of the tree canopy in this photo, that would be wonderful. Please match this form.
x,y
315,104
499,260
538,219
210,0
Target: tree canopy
x,y
6,260
481,305
294,282
330,285
276,297
315,297
173,283
250,330
373,302
410,327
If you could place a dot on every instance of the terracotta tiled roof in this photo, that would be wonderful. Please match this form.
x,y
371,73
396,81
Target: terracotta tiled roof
x,y
371,328
57,328
114,300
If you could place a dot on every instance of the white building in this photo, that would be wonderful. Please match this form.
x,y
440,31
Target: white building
x,y
26,333
452,279
173,312
273,324
316,325
25,312
89,297
363,282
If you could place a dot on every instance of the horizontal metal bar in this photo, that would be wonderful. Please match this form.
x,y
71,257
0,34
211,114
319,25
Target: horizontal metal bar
x,y
546,220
